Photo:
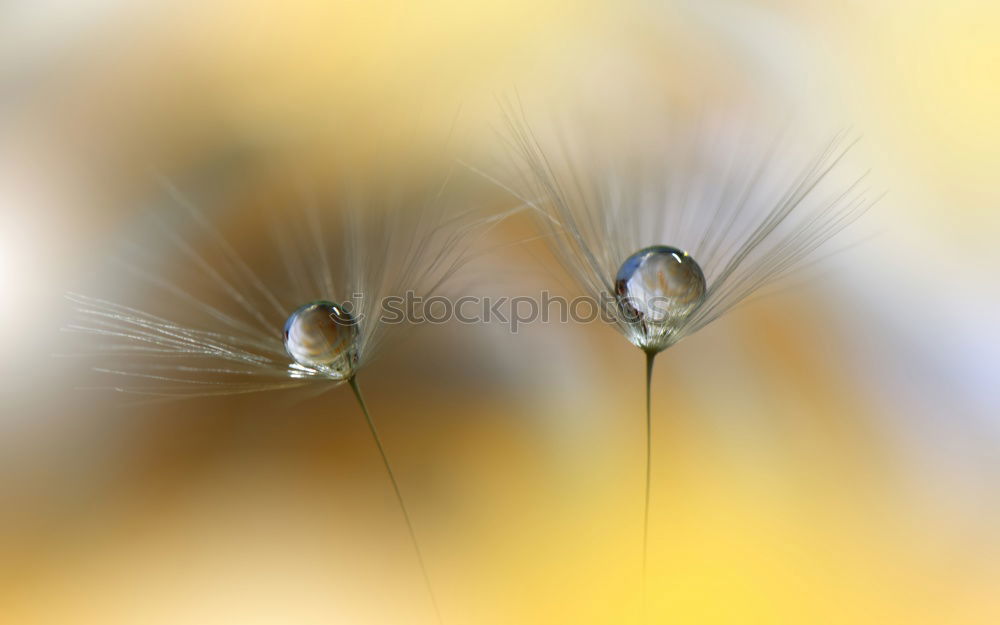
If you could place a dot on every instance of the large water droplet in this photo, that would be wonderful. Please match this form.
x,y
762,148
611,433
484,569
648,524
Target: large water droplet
x,y
657,288
322,336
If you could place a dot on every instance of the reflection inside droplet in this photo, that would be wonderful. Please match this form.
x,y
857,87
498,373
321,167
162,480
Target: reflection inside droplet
x,y
322,336
657,288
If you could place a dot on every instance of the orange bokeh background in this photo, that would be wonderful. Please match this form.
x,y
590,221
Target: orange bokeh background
x,y
824,455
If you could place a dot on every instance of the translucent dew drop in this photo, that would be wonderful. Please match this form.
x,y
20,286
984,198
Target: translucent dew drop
x,y
322,336
656,289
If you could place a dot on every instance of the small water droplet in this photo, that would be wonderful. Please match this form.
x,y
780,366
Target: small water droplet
x,y
322,336
657,288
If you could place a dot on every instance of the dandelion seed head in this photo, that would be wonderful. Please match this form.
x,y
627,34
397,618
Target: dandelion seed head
x,y
656,289
239,288
751,201
322,336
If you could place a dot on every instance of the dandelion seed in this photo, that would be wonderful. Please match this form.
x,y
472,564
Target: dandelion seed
x,y
633,227
257,331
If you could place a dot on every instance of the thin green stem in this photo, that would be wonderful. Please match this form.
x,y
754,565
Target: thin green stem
x,y
650,356
353,381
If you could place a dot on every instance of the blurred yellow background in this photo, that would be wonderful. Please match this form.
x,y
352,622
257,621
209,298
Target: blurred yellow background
x,y
830,454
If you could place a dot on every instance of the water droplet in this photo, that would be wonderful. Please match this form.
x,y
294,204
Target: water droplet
x,y
322,336
657,288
